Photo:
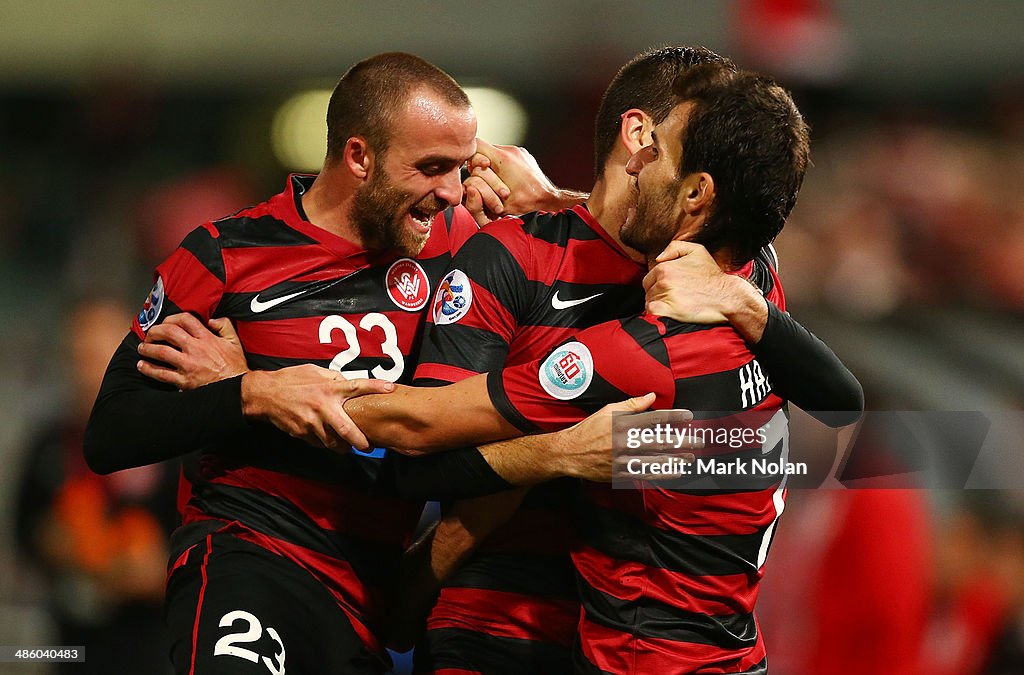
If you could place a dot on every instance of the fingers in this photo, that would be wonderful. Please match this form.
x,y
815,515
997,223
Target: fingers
x,y
161,374
171,333
189,323
478,161
223,328
489,151
489,198
632,405
346,431
677,249
494,182
474,203
368,386
170,356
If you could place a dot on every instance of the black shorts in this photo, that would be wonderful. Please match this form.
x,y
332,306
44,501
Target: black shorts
x,y
236,609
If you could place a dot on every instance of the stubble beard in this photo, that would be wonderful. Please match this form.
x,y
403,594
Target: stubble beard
x,y
379,214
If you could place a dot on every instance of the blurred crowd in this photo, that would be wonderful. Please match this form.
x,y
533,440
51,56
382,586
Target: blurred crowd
x,y
900,210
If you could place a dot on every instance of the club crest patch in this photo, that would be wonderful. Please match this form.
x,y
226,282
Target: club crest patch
x,y
453,299
407,285
152,307
568,371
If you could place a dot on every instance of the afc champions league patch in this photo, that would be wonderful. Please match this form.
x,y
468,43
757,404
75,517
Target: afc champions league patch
x,y
407,285
568,371
453,299
152,306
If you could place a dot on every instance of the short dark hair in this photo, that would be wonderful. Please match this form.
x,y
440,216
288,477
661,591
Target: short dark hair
x,y
644,83
366,97
747,133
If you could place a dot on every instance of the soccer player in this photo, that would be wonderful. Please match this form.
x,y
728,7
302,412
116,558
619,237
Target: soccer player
x,y
513,607
285,553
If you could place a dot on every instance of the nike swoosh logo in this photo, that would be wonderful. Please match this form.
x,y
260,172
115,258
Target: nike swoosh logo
x,y
256,306
566,304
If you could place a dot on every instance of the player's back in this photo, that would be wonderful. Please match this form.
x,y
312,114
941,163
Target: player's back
x,y
668,571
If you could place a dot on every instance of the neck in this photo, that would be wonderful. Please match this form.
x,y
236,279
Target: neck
x,y
722,256
609,203
328,204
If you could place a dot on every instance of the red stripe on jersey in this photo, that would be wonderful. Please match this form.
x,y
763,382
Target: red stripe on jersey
x,y
629,580
313,338
699,514
535,341
618,652
504,614
581,261
463,227
496,318
371,517
189,284
336,575
440,371
704,352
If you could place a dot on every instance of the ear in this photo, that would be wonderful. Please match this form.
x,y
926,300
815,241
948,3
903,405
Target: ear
x,y
698,191
358,157
635,130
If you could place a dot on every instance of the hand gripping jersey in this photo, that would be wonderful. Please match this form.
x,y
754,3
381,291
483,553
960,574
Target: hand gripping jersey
x,y
299,294
668,575
514,291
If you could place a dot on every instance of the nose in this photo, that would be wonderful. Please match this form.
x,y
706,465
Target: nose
x,y
635,162
449,189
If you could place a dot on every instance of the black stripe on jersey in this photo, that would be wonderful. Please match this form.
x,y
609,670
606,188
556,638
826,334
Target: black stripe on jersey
x,y
647,617
523,573
260,232
615,301
494,265
462,346
649,337
501,402
460,649
715,392
374,564
449,216
561,231
623,537
206,249
368,363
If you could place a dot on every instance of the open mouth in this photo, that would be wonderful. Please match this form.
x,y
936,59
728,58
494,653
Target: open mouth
x,y
421,220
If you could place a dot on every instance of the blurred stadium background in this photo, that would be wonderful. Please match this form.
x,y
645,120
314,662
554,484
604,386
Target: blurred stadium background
x,y
125,124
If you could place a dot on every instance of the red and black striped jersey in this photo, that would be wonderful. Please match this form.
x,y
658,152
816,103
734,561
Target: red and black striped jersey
x,y
669,573
299,294
515,290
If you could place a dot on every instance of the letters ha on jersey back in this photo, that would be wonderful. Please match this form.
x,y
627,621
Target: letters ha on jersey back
x,y
669,574
298,294
514,291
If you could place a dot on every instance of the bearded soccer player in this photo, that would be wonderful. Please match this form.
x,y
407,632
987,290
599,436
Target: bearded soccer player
x,y
512,609
284,553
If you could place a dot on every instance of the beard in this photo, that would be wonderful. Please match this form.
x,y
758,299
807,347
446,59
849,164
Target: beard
x,y
380,211
653,222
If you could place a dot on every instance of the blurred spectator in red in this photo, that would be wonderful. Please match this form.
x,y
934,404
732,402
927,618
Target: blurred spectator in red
x,y
847,590
975,629
100,540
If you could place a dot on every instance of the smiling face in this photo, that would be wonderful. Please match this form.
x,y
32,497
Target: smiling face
x,y
417,176
658,190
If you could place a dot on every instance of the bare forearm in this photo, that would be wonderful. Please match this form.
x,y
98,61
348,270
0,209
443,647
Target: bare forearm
x,y
420,420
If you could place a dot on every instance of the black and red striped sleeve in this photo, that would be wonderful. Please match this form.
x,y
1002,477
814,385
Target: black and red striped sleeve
x,y
477,306
191,279
137,421
609,362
